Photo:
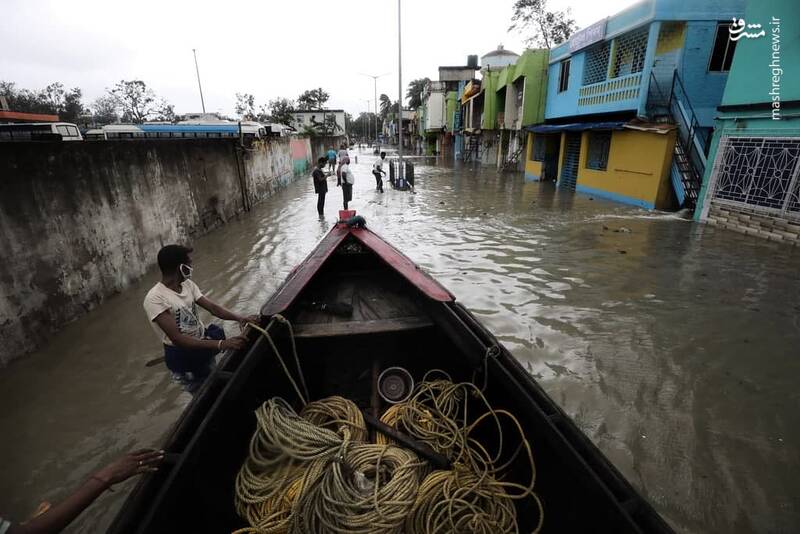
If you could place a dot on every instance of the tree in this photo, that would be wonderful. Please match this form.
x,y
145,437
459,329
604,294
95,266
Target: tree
x,y
312,99
138,103
53,99
280,111
104,110
414,92
549,28
363,126
385,105
246,106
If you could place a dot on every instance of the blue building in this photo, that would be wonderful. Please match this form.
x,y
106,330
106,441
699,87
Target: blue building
x,y
650,76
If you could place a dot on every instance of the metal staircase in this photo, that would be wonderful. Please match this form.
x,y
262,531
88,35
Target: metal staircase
x,y
511,163
691,144
471,152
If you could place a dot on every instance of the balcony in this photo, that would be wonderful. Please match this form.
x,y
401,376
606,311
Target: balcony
x,y
619,93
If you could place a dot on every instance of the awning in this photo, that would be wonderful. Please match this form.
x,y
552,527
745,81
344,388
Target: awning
x,y
634,124
576,127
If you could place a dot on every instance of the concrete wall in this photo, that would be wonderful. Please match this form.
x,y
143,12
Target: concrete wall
x,y
80,221
637,172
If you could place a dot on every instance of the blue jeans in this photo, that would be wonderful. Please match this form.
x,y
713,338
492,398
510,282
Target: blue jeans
x,y
190,367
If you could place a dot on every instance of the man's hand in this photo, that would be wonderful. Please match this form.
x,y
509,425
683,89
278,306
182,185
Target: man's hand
x,y
255,319
236,343
131,464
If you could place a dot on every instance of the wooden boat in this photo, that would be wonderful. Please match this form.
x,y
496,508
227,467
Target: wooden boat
x,y
400,317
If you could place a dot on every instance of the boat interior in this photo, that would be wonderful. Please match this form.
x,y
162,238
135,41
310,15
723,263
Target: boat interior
x,y
355,316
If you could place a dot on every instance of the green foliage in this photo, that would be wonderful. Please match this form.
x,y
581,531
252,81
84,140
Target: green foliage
x,y
104,110
53,99
245,107
279,111
363,126
138,103
549,28
312,99
414,92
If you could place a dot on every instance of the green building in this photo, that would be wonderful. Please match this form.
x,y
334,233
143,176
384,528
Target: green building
x,y
753,185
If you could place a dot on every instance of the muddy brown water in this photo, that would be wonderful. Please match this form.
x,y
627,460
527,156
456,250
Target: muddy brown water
x,y
674,346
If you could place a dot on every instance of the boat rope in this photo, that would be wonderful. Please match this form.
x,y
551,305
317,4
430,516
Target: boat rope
x,y
316,472
264,332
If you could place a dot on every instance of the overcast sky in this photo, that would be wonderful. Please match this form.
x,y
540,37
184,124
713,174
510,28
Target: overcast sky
x,y
267,48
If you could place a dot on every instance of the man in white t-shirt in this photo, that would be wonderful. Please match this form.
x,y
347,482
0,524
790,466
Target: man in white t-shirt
x,y
348,179
171,308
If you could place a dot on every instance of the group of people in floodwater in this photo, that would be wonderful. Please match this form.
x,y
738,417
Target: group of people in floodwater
x,y
344,175
189,347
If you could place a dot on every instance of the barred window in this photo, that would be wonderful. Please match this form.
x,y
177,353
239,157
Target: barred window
x,y
597,154
595,67
563,76
629,52
537,154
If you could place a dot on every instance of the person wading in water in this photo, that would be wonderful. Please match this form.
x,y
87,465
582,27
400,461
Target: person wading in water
x,y
348,179
378,172
320,184
171,308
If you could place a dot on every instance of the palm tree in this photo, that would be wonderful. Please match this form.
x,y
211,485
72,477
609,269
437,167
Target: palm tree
x,y
386,105
414,93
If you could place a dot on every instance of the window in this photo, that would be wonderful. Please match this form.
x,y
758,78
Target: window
x,y
599,145
563,76
722,53
629,52
595,68
537,154
73,131
62,130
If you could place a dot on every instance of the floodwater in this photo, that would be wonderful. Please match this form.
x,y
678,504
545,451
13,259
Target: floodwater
x,y
673,345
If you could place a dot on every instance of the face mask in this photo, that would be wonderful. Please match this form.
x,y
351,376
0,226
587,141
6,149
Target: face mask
x,y
186,270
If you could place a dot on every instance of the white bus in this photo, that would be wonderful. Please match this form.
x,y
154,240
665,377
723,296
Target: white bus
x,y
40,131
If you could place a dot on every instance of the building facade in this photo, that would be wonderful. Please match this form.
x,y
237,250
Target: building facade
x,y
753,183
322,121
647,79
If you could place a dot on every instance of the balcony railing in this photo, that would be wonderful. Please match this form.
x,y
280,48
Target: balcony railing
x,y
624,88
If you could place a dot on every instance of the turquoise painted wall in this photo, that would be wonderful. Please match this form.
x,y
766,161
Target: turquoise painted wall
x,y
750,81
750,76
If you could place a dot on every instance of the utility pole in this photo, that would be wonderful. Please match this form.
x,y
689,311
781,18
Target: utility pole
x,y
197,69
400,94
375,88
366,119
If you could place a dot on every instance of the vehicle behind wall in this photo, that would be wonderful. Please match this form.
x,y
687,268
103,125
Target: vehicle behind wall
x,y
40,131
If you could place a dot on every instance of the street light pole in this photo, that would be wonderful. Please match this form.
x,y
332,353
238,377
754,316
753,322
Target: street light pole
x,y
400,94
375,88
197,69
366,118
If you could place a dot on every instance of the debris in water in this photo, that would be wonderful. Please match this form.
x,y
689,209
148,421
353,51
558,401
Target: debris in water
x,y
622,251
623,230
605,227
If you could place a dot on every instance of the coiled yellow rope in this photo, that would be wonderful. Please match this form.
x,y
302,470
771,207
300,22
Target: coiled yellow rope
x,y
313,472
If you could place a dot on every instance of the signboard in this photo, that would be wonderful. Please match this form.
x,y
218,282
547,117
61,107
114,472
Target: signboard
x,y
585,37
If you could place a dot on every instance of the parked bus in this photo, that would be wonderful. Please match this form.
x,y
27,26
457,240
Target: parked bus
x,y
40,131
183,130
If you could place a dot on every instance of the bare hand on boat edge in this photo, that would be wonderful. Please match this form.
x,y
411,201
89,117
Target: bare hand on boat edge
x,y
133,463
236,343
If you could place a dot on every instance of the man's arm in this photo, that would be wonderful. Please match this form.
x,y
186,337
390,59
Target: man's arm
x,y
223,313
59,516
165,321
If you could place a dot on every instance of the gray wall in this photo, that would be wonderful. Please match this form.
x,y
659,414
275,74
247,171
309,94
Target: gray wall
x,y
80,221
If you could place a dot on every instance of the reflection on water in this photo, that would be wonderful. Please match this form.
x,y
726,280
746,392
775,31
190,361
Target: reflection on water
x,y
673,345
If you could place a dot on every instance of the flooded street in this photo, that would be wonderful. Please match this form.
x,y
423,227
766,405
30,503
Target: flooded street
x,y
673,345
